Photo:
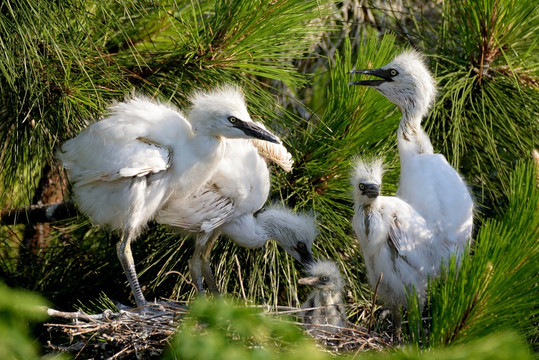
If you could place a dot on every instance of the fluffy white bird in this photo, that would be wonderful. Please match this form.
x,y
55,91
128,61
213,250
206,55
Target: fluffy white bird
x,y
427,181
125,167
227,204
324,306
396,241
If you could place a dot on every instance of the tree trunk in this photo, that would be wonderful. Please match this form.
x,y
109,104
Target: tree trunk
x,y
50,190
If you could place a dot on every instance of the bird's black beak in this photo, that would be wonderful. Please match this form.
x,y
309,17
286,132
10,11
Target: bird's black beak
x,y
383,74
305,256
255,131
371,190
306,259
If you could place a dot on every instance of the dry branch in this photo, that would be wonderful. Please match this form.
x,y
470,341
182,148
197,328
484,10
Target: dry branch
x,y
39,214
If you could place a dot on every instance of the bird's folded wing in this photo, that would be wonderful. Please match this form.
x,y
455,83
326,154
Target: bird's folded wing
x,y
204,211
111,161
398,238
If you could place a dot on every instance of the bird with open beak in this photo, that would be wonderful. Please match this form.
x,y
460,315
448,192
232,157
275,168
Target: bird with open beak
x,y
324,307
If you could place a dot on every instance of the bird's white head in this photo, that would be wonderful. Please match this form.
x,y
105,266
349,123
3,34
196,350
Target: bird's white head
x,y
295,232
405,81
223,112
367,180
324,275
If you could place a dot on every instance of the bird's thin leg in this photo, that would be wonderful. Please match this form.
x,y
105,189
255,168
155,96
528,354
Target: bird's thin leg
x,y
123,250
206,266
397,322
195,262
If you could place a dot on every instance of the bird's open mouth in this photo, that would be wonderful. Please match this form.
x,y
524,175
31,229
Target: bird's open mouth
x,y
383,74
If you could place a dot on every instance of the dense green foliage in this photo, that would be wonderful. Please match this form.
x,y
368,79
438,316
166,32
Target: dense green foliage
x,y
217,330
63,62
17,308
487,67
495,289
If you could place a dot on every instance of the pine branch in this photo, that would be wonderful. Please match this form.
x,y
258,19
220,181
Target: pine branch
x,y
36,214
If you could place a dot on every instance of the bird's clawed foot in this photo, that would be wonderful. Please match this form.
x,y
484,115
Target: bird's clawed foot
x,y
157,309
154,309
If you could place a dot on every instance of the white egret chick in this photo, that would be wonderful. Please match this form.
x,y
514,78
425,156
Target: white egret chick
x,y
324,306
394,238
126,166
227,204
427,181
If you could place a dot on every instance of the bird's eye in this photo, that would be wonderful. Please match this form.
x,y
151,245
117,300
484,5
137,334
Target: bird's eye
x,y
324,278
301,246
361,186
232,119
393,72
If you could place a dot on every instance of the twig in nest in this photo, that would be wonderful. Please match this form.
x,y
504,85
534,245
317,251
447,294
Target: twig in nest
x,y
116,335
350,338
241,281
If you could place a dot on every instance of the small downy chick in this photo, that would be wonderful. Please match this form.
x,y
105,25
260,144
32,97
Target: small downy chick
x,y
394,238
325,301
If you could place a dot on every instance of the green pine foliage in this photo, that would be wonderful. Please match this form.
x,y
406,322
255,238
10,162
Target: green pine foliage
x,y
217,330
486,115
17,309
63,62
496,287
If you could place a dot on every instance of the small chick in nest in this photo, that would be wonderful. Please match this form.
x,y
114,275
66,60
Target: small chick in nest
x,y
324,303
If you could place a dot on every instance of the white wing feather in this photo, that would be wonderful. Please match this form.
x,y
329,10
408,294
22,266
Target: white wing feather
x,y
204,211
133,141
239,186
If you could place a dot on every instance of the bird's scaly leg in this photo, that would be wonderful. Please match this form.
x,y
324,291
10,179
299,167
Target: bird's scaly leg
x,y
195,262
397,322
206,266
123,250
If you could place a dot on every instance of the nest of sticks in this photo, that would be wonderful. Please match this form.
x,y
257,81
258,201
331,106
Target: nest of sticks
x,y
147,333
115,335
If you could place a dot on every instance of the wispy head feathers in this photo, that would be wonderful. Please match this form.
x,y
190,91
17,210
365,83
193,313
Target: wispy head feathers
x,y
221,101
367,170
328,271
227,92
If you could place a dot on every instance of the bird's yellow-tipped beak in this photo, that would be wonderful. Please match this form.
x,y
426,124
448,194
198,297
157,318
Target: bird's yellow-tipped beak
x,y
308,280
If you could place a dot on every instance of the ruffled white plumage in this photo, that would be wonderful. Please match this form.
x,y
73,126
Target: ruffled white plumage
x,y
240,185
127,165
396,240
227,204
427,182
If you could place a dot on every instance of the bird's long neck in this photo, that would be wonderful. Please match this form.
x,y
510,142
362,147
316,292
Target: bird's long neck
x,y
247,231
251,232
197,164
411,138
367,210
